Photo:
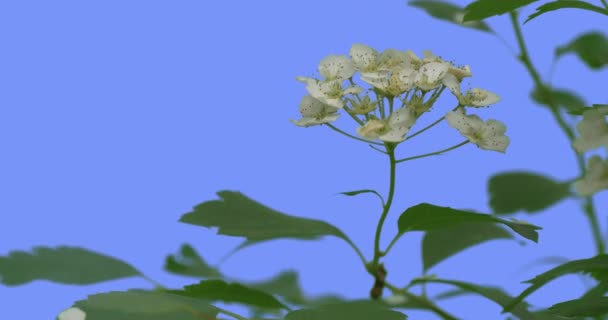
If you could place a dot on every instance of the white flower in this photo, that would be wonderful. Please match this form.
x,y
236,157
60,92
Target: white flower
x,y
72,314
430,74
393,82
460,72
364,58
315,112
329,92
475,97
392,129
593,131
487,135
334,67
596,178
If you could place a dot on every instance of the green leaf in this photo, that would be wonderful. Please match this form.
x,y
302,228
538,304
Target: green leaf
x,y
591,47
189,263
448,12
144,305
218,290
584,307
519,190
564,98
491,293
482,9
357,192
67,265
581,110
237,215
563,4
287,286
596,266
426,217
440,244
354,310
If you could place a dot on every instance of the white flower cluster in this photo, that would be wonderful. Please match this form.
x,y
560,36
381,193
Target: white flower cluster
x,y
395,76
593,134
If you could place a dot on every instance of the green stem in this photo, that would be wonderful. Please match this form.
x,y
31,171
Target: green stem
x,y
605,4
157,284
390,149
429,126
434,153
357,120
423,301
351,136
524,57
390,245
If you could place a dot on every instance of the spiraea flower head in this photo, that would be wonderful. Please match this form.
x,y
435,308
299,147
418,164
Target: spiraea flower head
x,y
315,112
593,131
595,179
488,135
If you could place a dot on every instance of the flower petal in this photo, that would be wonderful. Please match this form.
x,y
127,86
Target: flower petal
x,y
477,97
363,57
335,67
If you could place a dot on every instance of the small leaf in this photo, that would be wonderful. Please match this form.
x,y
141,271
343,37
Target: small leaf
x,y
426,217
145,305
440,244
237,215
448,12
562,4
67,265
584,307
519,190
189,263
564,98
287,286
596,266
354,310
591,47
491,293
481,9
357,192
218,290
602,108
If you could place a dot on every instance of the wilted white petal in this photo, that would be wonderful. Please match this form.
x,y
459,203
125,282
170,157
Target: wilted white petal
x,y
371,129
596,178
479,98
72,314
460,72
391,58
364,58
335,67
593,131
315,112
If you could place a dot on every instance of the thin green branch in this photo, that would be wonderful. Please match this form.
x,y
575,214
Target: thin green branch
x,y
351,136
428,304
434,153
524,57
390,149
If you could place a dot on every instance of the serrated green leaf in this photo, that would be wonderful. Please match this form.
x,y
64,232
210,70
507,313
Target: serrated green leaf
x,y
218,290
237,215
482,9
591,47
357,192
67,265
519,190
494,294
564,98
440,244
189,263
563,4
584,307
596,266
354,310
448,12
144,305
426,217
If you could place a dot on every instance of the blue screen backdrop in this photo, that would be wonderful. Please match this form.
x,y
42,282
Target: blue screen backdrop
x,y
116,117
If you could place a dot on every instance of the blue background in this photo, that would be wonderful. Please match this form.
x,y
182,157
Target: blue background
x,y
116,117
